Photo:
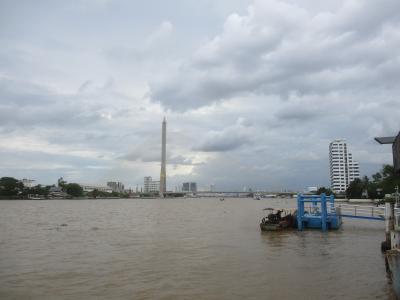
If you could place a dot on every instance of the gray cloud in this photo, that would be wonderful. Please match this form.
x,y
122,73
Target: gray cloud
x,y
222,143
181,160
253,91
281,48
24,104
144,155
228,139
296,113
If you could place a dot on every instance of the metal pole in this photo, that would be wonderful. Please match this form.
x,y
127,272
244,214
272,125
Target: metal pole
x,y
300,212
323,212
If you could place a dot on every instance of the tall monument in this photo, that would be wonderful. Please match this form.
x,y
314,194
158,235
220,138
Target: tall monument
x,y
163,175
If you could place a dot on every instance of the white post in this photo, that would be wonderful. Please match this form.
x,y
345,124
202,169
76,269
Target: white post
x,y
389,224
387,217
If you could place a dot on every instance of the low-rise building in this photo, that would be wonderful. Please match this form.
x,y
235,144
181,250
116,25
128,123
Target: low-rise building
x,y
57,192
28,182
90,188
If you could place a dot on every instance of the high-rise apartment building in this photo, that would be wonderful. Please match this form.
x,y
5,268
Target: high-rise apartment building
x,y
343,169
189,187
116,186
150,186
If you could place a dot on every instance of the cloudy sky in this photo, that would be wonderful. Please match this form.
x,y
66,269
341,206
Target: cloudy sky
x,y
253,91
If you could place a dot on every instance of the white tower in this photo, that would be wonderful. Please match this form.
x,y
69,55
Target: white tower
x,y
163,175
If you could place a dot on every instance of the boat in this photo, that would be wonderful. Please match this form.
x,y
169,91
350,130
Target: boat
x,y
35,197
257,198
277,220
270,196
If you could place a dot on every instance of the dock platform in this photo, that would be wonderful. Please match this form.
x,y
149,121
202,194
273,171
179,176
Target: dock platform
x,y
319,214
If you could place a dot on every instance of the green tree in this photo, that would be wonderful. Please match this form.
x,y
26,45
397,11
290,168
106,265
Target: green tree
x,y
62,183
325,190
37,190
377,177
372,190
355,189
386,181
383,182
365,186
74,189
10,187
388,172
95,193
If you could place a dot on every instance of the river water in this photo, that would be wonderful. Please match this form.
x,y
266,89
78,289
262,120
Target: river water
x,y
181,249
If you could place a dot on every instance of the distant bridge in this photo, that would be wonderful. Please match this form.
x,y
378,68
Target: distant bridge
x,y
241,194
232,194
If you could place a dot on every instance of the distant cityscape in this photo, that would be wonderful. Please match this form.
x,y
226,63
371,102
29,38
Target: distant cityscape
x,y
343,170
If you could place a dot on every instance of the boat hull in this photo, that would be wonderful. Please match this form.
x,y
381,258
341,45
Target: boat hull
x,y
270,227
273,226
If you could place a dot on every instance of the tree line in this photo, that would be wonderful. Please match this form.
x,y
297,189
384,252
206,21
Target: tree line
x,y
381,183
11,188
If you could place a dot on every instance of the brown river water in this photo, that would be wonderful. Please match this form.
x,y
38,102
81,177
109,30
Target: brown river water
x,y
200,248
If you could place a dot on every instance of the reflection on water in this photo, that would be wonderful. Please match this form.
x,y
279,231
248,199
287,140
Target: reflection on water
x,y
180,249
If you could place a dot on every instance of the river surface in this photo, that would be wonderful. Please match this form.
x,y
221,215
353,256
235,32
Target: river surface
x,y
181,249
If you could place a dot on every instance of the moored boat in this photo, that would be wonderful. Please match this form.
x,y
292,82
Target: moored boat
x,y
277,220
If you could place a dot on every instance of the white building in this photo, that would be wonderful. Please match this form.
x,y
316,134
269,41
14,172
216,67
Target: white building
x,y
311,189
151,186
28,182
116,186
91,188
343,169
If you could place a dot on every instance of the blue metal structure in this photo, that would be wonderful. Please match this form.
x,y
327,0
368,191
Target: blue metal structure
x,y
319,216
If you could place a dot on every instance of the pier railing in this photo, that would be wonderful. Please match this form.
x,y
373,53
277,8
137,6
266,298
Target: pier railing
x,y
362,211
